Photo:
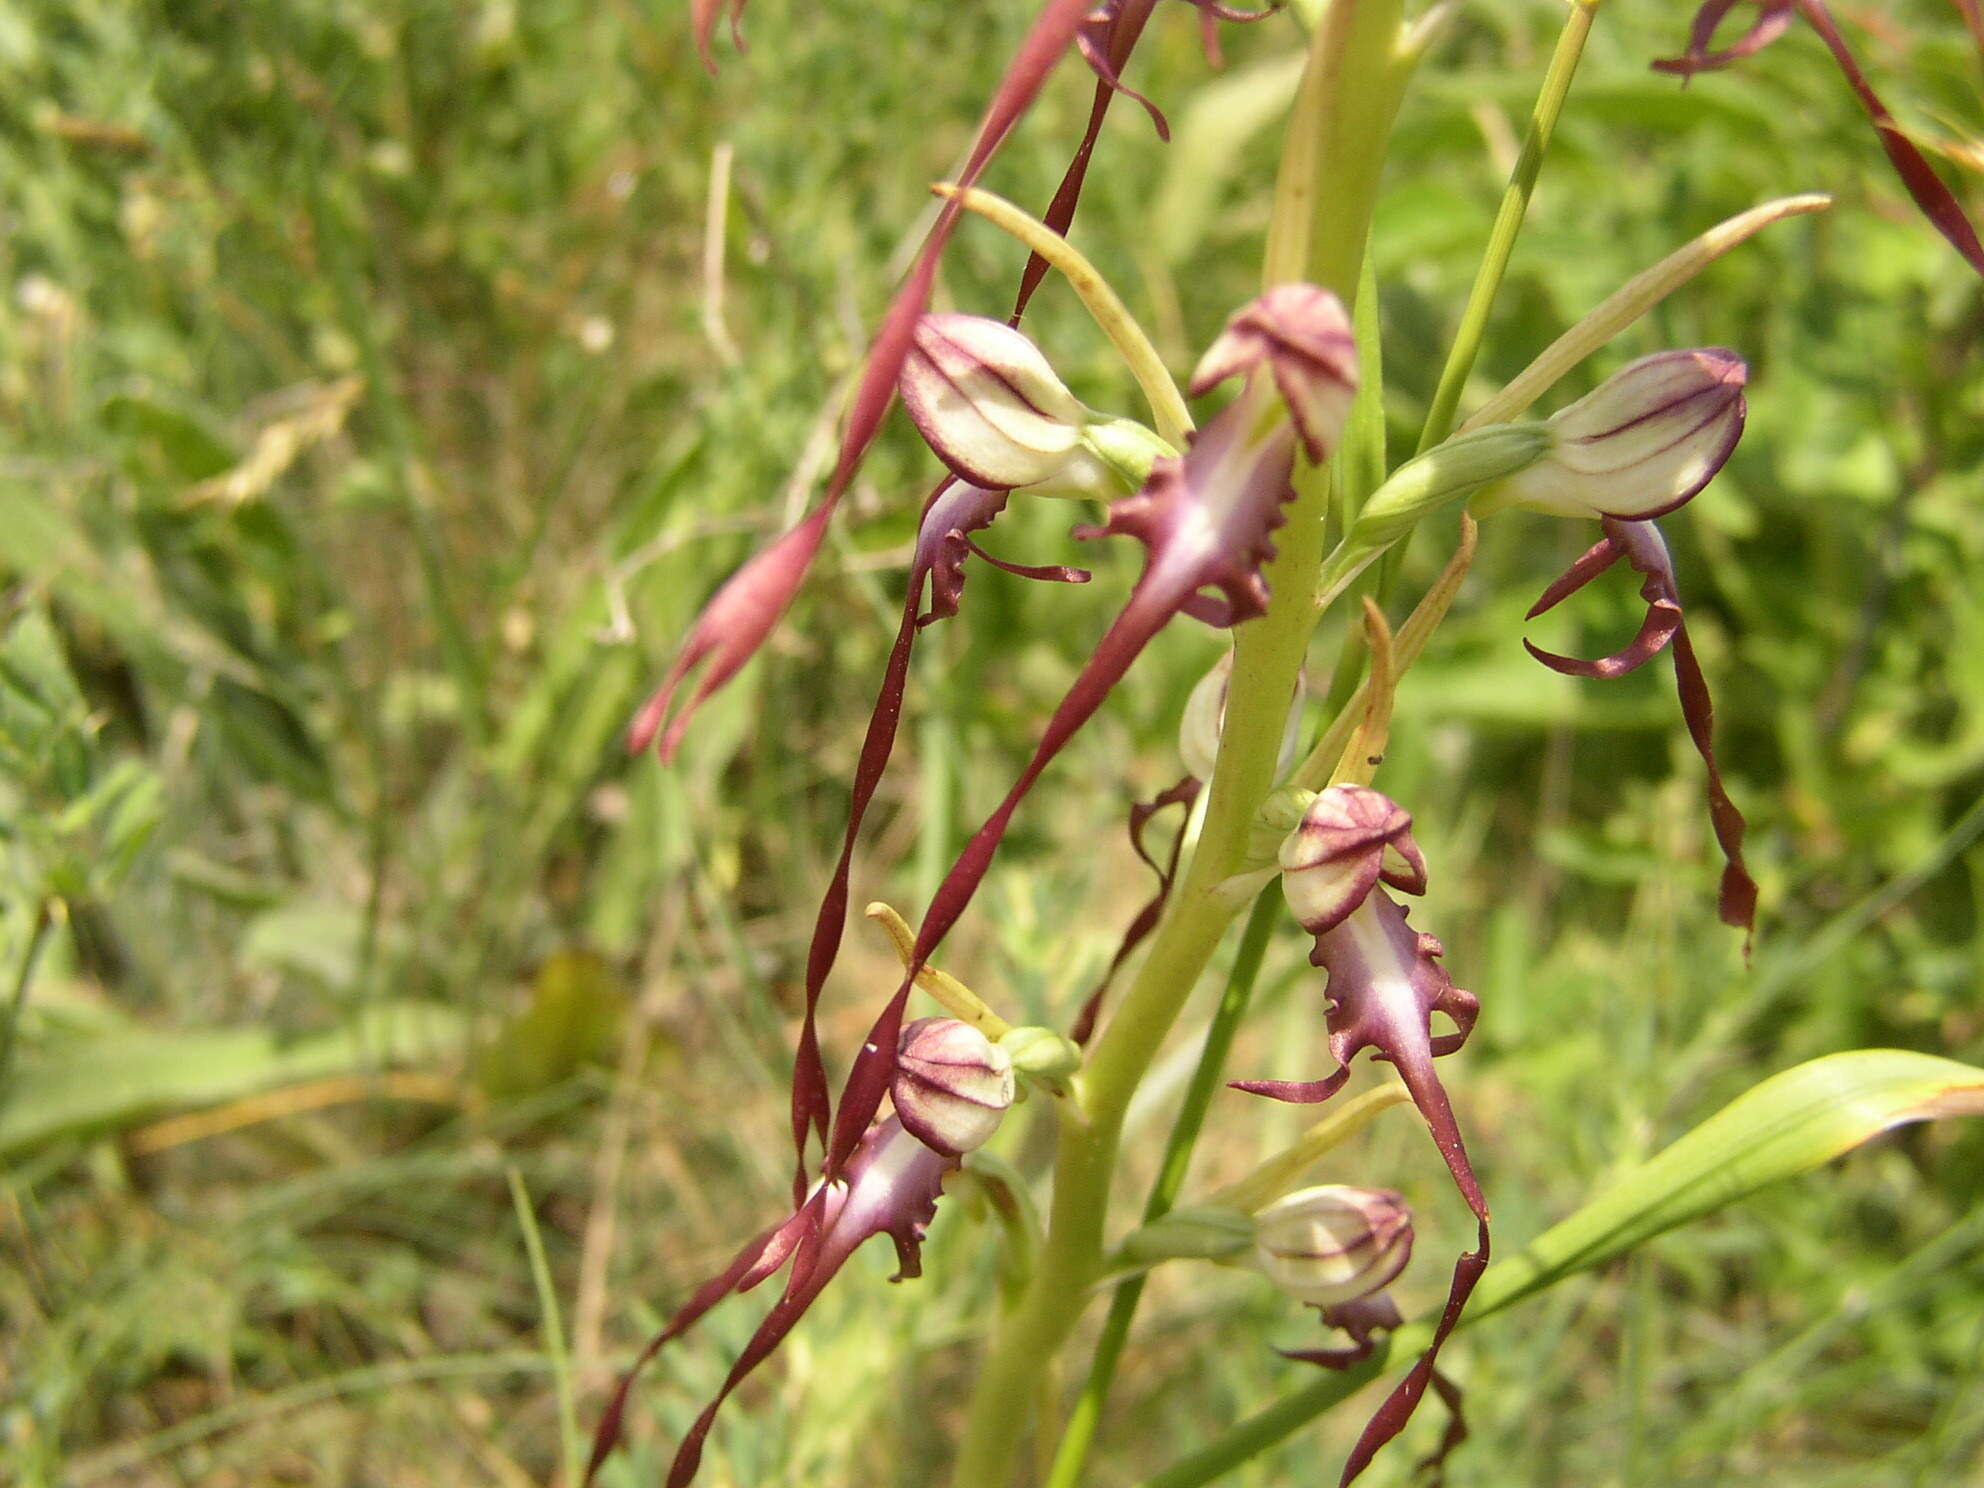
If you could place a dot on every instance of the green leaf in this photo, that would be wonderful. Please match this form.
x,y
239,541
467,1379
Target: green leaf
x,y
122,1078
184,445
1790,1124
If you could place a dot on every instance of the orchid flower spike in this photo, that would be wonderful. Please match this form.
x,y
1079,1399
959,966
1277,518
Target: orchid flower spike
x,y
1646,440
1385,984
991,406
1205,519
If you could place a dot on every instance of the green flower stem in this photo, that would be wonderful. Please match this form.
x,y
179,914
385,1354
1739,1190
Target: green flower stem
x,y
1508,223
1323,201
1080,1432
1269,654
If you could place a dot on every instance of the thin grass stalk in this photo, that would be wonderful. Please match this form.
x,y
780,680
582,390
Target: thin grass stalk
x,y
1508,225
569,1456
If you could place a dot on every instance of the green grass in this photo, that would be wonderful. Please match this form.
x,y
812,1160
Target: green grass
x,y
344,735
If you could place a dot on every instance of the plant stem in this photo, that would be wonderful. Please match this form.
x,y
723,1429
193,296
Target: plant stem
x,y
1080,1432
1323,200
1508,223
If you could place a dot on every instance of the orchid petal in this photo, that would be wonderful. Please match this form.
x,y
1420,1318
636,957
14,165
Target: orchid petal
x,y
730,630
1184,793
1094,44
1301,333
1641,544
1773,18
1935,199
891,1187
703,17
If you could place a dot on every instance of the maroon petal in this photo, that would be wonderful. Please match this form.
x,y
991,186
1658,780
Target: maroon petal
x,y
1594,561
1184,793
1773,18
1662,622
1094,44
759,1258
1126,26
730,629
1935,199
890,1188
943,543
1295,1092
1641,544
951,511
703,16
1363,1318
1302,333
1391,1417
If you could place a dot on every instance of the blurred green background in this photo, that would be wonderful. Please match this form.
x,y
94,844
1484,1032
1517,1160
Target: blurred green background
x,y
383,386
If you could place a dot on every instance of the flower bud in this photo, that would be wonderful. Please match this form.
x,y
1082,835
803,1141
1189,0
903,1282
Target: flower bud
x,y
1204,716
1349,838
952,1084
1303,335
1330,1245
1645,440
993,410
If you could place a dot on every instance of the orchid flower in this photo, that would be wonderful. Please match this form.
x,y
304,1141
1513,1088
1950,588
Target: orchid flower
x,y
1333,1244
989,404
1643,443
953,1087
1338,1248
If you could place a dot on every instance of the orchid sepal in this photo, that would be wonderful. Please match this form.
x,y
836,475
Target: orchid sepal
x,y
1642,443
